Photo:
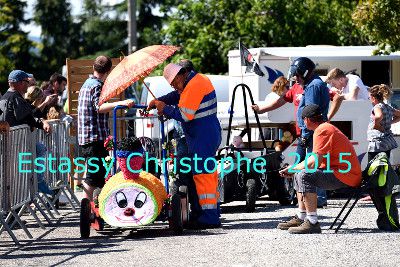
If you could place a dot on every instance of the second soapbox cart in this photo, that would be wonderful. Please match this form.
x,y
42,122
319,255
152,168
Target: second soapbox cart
x,y
244,181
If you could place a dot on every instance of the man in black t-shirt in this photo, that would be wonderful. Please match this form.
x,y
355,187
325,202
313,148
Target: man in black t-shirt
x,y
14,109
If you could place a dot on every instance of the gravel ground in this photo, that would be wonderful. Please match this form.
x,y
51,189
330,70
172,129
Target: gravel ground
x,y
246,239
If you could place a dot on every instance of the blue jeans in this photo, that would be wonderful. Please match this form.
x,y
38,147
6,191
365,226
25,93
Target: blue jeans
x,y
43,187
302,151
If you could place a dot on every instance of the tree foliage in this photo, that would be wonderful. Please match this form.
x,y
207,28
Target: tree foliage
x,y
205,29
149,25
379,20
208,36
103,29
14,43
58,34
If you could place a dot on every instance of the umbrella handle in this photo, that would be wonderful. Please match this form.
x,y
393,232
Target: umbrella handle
x,y
149,90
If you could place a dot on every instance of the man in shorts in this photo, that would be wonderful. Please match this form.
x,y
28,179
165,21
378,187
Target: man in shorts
x,y
93,124
333,164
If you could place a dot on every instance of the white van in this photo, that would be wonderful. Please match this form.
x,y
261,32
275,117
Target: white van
x,y
150,126
353,116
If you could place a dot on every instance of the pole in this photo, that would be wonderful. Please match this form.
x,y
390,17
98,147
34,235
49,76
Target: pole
x,y
132,46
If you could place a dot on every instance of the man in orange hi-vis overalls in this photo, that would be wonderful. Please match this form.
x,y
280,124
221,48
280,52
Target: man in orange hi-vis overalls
x,y
194,103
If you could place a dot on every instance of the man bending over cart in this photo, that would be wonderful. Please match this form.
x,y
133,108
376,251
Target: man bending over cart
x,y
194,103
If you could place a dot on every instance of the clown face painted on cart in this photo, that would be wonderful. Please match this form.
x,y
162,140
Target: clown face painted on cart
x,y
130,205
132,202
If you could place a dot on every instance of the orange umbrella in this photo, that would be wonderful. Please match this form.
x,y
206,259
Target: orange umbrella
x,y
134,67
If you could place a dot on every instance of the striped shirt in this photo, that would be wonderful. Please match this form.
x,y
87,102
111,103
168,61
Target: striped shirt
x,y
92,126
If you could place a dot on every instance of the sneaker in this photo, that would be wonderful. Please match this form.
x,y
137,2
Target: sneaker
x,y
306,228
294,222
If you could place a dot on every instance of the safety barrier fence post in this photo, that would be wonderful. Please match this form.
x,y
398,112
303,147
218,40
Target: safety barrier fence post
x,y
56,176
18,182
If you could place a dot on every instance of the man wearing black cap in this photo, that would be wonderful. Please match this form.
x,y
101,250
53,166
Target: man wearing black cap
x,y
14,109
333,164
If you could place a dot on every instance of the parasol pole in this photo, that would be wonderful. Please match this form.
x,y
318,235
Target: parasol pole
x,y
149,90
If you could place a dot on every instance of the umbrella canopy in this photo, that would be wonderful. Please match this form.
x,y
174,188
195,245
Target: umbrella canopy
x,y
134,67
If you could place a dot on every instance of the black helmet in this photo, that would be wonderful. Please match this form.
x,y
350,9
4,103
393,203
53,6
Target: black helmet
x,y
302,66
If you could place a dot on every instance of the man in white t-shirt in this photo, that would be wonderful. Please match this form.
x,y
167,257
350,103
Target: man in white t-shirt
x,y
350,86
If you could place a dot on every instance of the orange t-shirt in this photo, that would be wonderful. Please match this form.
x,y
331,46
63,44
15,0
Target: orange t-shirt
x,y
343,159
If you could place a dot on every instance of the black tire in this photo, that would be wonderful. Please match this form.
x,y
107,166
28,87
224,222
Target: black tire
x,y
85,222
251,195
176,222
184,197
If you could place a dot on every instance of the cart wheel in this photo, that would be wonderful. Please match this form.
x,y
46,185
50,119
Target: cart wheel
x,y
251,195
184,204
84,223
176,222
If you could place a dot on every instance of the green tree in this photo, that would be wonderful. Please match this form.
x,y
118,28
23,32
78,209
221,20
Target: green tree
x,y
103,29
14,43
206,37
379,20
149,24
54,18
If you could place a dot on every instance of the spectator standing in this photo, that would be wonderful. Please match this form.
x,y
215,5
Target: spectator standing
x,y
380,136
279,88
56,86
32,80
35,97
15,109
93,121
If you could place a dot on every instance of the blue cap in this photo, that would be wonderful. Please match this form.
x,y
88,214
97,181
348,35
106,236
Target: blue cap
x,y
18,75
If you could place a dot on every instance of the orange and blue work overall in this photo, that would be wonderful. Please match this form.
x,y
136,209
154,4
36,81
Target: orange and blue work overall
x,y
196,108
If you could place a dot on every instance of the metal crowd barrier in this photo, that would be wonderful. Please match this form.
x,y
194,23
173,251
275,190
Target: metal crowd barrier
x,y
18,186
57,146
19,183
5,203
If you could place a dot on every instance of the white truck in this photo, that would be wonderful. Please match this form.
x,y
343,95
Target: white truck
x,y
352,117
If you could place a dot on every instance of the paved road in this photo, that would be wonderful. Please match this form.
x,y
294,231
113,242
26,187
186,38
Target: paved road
x,y
246,239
